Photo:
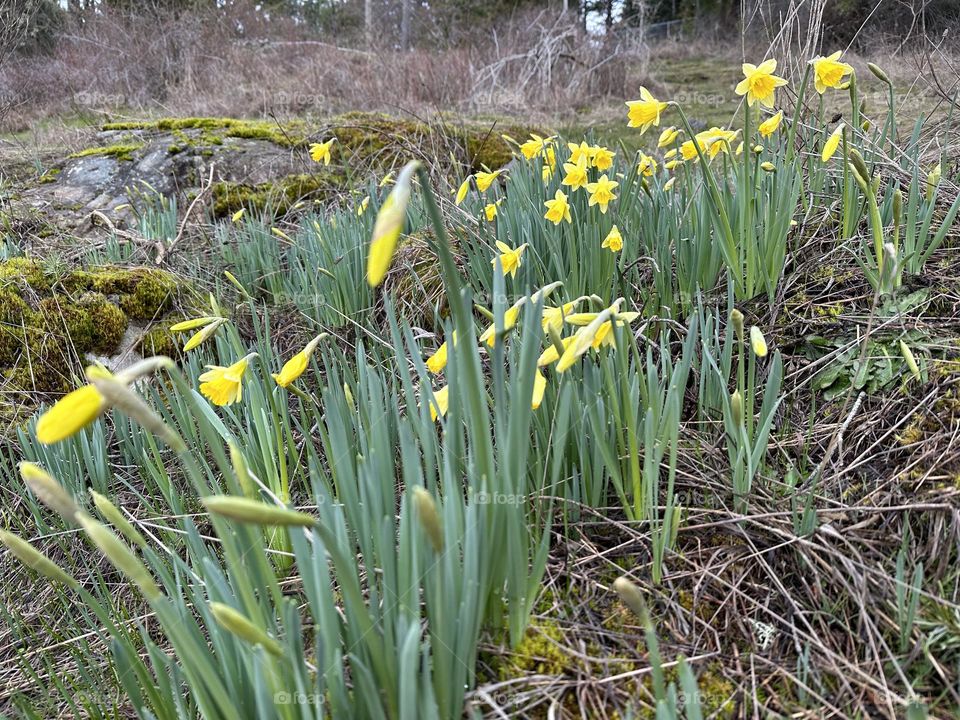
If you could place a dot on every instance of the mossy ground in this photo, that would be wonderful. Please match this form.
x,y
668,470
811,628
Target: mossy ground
x,y
50,319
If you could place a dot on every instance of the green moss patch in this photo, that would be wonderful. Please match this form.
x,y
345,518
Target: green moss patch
x,y
278,196
118,152
50,320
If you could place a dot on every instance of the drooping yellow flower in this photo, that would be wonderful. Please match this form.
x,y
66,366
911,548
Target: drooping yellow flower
x,y
558,209
769,126
601,335
828,72
438,361
440,402
710,142
320,152
601,192
647,166
577,151
388,225
644,112
667,137
462,191
297,365
602,157
70,414
485,179
510,316
577,174
539,387
362,208
614,240
224,385
550,355
553,316
759,83
490,210
832,143
535,145
509,258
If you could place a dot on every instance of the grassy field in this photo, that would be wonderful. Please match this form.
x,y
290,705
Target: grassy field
x,y
658,420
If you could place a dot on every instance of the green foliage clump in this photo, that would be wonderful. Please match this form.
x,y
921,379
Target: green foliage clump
x,y
279,196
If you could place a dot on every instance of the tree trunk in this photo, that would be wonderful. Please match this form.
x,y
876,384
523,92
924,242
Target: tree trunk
x,y
368,21
406,10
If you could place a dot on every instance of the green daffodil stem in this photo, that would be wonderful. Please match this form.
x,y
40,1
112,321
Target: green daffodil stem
x,y
792,133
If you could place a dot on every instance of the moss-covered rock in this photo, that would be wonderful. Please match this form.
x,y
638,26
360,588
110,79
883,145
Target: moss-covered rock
x,y
51,318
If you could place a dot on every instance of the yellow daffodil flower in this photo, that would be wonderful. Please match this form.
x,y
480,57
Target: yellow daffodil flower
x,y
509,258
558,209
297,365
550,355
535,145
832,143
539,387
601,192
388,226
387,179
644,112
577,175
490,210
602,157
553,316
647,166
577,151
71,414
485,179
462,191
667,137
668,185
829,72
440,402
362,208
224,385
208,326
614,240
438,361
758,342
769,126
320,152
237,215
510,315
759,83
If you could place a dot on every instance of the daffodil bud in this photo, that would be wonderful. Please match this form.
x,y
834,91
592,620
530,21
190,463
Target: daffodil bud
x,y
389,225
736,319
49,491
857,159
112,514
768,167
121,557
910,360
240,625
255,512
429,517
865,125
631,596
736,408
757,149
36,560
933,179
861,181
242,472
758,342
348,395
897,205
878,73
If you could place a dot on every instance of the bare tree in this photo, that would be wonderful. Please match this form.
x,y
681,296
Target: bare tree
x,y
17,19
406,10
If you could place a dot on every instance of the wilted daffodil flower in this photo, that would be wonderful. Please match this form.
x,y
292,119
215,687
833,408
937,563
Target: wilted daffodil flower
x,y
509,258
388,226
558,209
224,385
769,126
759,83
320,152
829,72
644,112
295,366
601,192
